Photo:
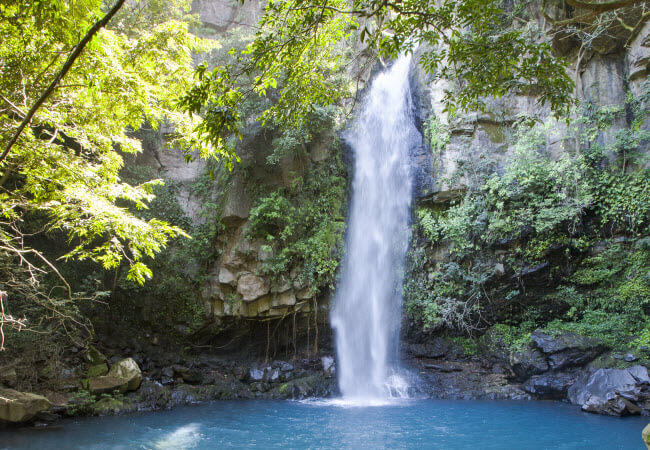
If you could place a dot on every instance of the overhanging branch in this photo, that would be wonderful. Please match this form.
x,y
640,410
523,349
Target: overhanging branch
x,y
64,70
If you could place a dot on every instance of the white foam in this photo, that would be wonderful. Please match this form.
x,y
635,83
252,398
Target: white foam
x,y
366,313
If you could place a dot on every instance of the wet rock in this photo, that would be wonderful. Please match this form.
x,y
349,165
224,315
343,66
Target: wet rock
x,y
19,407
259,386
567,349
310,386
152,395
528,362
433,350
192,376
286,367
255,374
610,391
329,366
111,406
550,385
274,375
443,368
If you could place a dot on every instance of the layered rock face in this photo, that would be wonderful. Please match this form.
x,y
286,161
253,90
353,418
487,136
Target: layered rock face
x,y
235,285
468,151
603,73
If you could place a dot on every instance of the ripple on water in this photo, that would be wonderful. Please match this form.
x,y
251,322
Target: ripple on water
x,y
343,424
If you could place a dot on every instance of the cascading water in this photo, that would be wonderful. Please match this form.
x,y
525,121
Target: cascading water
x,y
367,309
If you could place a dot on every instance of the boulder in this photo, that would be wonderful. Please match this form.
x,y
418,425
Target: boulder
x,y
251,287
611,391
238,203
127,369
566,349
329,366
19,407
106,384
435,349
287,298
189,376
124,376
94,356
98,370
107,406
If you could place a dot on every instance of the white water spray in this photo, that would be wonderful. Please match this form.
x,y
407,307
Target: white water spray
x,y
367,309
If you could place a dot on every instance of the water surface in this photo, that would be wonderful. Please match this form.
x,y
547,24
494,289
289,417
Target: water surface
x,y
285,424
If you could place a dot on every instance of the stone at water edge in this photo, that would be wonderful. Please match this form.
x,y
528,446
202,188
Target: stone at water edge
x,y
645,435
19,407
129,370
124,376
611,391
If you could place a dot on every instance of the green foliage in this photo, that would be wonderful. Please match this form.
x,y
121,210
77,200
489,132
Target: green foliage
x,y
514,337
293,141
302,226
61,180
447,295
80,403
297,55
436,134
66,165
584,213
180,271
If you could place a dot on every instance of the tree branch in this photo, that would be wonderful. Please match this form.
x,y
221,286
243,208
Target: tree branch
x,y
64,70
602,7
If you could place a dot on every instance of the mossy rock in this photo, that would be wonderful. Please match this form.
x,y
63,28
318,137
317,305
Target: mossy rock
x,y
110,406
97,370
19,407
94,356
124,376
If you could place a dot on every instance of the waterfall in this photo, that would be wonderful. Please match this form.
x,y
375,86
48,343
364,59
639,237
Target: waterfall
x,y
366,314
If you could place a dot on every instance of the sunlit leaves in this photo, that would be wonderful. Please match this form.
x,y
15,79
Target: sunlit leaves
x,y
67,164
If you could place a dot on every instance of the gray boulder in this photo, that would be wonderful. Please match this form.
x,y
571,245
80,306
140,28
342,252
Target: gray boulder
x,y
566,349
124,375
614,392
19,407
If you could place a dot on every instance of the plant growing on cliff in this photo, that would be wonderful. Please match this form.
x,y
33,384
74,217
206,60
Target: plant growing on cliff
x,y
303,225
296,56
544,210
